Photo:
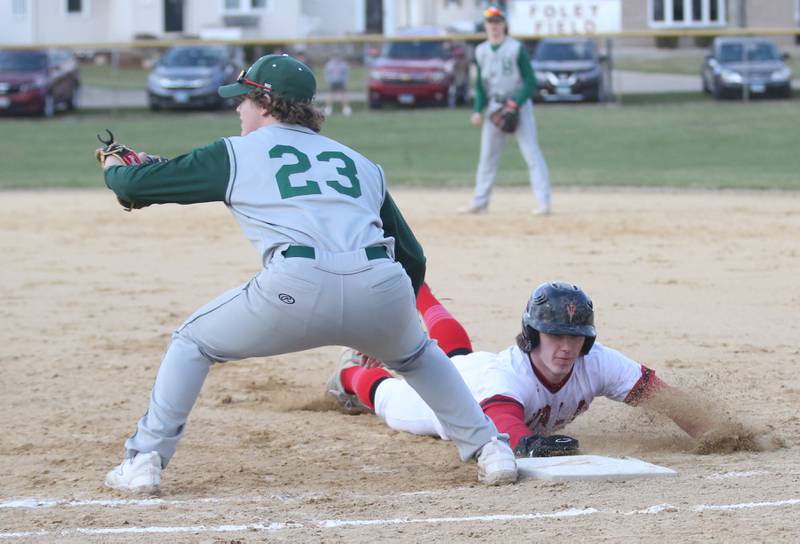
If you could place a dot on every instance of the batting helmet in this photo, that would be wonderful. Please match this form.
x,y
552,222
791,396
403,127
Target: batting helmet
x,y
558,308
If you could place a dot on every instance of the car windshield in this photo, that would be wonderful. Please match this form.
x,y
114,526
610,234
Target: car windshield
x,y
22,61
548,51
193,56
756,51
414,50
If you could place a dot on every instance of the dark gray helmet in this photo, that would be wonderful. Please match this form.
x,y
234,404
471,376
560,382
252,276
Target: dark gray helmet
x,y
558,308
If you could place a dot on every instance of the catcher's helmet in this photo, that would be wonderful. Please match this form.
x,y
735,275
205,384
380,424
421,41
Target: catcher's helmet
x,y
558,308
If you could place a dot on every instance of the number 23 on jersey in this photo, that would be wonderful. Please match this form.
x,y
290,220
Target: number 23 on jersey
x,y
346,169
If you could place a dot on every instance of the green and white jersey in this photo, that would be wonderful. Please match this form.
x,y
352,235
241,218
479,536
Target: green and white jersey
x,y
499,69
288,184
283,184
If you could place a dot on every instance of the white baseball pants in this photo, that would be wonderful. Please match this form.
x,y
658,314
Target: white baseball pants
x,y
300,303
493,141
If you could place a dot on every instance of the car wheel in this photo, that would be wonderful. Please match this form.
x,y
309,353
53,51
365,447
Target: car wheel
x,y
705,84
375,104
154,106
49,106
599,94
716,92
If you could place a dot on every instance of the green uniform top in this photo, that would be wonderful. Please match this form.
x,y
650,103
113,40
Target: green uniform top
x,y
493,72
262,178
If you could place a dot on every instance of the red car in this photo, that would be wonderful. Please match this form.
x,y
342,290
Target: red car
x,y
417,72
38,81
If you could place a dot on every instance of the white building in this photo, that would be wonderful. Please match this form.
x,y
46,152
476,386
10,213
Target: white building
x,y
27,22
108,21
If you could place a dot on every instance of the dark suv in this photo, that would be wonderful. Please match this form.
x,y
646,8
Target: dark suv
x,y
419,71
38,81
568,69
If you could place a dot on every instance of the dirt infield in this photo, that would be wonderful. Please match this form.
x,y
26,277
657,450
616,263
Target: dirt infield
x,y
697,285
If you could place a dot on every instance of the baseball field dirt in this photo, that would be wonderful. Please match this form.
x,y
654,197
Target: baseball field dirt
x,y
701,286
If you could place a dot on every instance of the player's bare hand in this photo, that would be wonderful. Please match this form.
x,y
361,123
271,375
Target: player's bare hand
x,y
475,119
110,160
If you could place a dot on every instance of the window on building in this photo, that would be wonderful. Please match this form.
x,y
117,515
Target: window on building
x,y
686,13
677,10
658,10
74,6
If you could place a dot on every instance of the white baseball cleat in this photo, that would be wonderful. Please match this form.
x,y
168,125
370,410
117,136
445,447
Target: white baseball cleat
x,y
140,474
542,210
473,210
497,464
348,403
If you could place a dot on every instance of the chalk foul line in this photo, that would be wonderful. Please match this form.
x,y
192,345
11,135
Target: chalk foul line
x,y
329,524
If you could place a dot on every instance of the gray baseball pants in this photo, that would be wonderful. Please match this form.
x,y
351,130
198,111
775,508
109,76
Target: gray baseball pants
x,y
300,303
493,141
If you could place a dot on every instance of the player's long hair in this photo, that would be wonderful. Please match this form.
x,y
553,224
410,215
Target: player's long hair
x,y
523,343
289,111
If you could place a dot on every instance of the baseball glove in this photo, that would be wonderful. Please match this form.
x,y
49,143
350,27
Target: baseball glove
x,y
547,446
506,118
128,157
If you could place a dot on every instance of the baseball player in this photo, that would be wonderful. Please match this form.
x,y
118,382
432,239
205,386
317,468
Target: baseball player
x,y
505,80
532,389
337,73
340,267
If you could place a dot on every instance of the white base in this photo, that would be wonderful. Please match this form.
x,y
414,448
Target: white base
x,y
589,467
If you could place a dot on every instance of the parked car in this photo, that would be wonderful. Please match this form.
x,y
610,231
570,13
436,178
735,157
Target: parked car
x,y
38,81
419,72
568,69
188,76
736,63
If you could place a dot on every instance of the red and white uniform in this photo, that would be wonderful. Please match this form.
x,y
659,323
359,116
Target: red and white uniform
x,y
518,400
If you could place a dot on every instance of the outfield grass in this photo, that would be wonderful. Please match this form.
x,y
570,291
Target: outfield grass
x,y
106,76
697,143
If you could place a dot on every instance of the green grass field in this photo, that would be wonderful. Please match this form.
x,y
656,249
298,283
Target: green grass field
x,y
692,143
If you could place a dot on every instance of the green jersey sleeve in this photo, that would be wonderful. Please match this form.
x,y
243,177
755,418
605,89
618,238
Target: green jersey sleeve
x,y
528,77
480,93
407,250
201,175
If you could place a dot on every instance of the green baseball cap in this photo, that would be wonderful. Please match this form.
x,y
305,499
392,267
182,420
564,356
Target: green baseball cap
x,y
280,75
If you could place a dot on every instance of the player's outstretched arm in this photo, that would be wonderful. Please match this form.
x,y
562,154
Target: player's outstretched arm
x,y
508,416
688,412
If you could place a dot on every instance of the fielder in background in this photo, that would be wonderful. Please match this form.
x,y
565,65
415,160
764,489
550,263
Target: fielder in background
x,y
340,267
504,85
337,72
535,387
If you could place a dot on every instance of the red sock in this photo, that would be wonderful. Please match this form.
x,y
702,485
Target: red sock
x,y
362,382
442,326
